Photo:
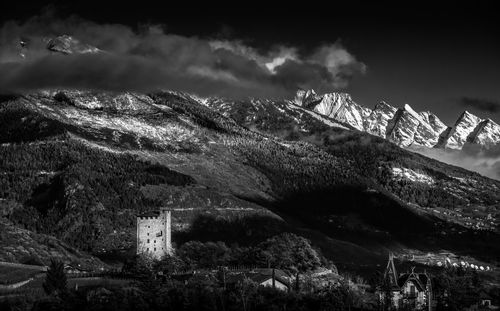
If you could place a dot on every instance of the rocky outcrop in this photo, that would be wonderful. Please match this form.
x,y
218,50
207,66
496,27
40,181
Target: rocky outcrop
x,y
377,121
487,133
457,136
306,98
341,107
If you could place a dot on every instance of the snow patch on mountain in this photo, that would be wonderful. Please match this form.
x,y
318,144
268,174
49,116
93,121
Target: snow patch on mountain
x,y
124,102
417,116
403,126
68,45
319,117
306,97
401,129
377,121
162,133
341,107
464,126
436,124
487,133
409,174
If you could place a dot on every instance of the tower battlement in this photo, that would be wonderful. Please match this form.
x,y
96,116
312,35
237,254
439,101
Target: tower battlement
x,y
154,235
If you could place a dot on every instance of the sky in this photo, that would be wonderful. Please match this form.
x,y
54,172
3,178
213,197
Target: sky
x,y
437,56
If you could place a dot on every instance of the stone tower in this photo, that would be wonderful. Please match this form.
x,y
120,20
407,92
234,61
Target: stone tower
x,y
154,235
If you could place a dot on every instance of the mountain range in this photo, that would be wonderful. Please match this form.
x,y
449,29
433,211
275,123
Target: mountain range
x,y
78,165
403,126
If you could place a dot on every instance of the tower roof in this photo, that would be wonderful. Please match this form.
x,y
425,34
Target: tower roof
x,y
390,271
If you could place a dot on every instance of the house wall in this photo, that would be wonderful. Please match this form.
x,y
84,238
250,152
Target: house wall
x,y
406,290
154,235
396,299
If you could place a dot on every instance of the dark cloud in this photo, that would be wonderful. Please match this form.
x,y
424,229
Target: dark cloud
x,y
480,104
150,59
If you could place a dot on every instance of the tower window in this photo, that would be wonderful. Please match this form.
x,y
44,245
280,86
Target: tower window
x,y
155,249
154,241
148,240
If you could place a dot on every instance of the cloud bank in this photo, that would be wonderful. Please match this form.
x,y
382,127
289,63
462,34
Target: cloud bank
x,y
472,157
150,59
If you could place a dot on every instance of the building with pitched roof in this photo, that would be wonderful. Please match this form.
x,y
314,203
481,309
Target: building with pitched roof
x,y
267,277
407,290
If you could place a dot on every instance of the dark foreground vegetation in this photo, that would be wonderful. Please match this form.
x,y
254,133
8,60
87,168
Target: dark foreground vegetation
x,y
454,289
199,293
195,279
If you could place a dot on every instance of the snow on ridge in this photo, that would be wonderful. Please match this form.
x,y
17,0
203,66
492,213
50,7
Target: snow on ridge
x,y
161,134
464,126
417,116
409,174
318,116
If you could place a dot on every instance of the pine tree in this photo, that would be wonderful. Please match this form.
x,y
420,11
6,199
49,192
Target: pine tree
x,y
55,280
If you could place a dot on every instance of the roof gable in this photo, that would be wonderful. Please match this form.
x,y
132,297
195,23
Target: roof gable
x,y
418,279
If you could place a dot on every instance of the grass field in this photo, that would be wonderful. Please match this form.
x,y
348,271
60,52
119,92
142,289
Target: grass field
x,y
10,275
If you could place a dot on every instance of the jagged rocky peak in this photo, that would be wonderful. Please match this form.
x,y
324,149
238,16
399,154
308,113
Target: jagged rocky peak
x,y
377,121
410,110
437,125
69,45
341,107
458,135
305,98
487,134
385,107
402,127
411,128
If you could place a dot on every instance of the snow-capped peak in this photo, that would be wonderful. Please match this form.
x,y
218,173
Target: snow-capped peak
x,y
410,110
486,133
417,116
341,107
306,97
404,126
459,134
377,121
68,45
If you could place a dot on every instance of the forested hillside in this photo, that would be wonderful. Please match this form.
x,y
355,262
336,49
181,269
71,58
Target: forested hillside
x,y
80,171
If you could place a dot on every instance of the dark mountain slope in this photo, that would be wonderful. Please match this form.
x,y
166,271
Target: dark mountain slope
x,y
410,176
108,156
